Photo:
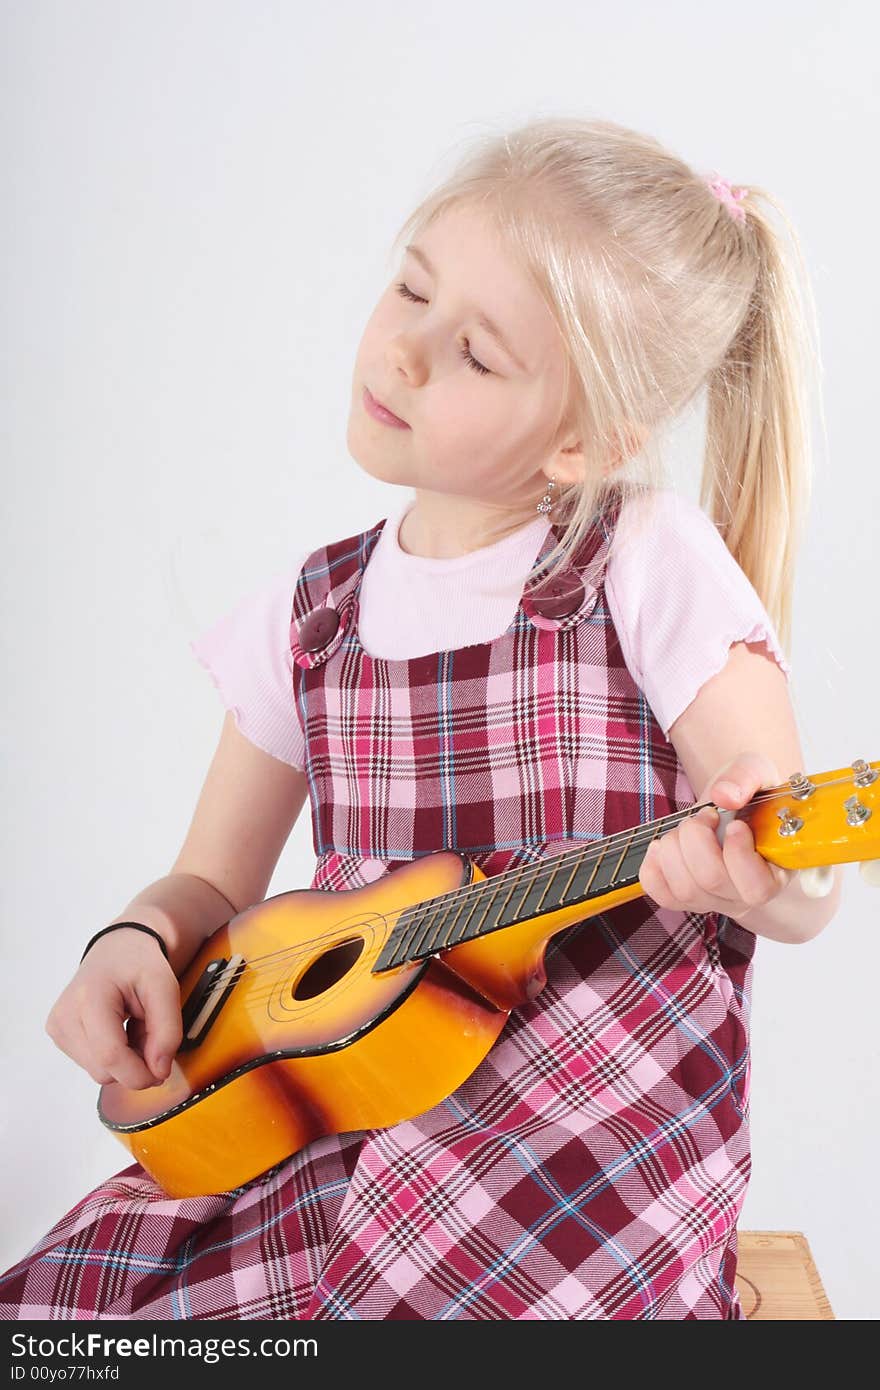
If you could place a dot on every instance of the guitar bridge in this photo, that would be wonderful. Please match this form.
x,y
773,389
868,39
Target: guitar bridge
x,y
209,994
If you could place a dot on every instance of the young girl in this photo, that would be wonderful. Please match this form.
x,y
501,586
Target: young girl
x,y
540,646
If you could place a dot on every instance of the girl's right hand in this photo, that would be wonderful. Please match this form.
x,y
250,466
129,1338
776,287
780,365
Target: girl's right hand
x,y
124,976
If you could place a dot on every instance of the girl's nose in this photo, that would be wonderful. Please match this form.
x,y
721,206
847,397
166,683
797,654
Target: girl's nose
x,y
406,355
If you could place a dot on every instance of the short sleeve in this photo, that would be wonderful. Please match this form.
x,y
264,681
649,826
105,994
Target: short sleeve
x,y
247,655
678,600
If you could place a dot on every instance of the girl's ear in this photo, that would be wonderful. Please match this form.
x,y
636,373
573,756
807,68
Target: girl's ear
x,y
567,464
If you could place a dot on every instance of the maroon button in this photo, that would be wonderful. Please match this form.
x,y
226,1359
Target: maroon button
x,y
318,629
561,596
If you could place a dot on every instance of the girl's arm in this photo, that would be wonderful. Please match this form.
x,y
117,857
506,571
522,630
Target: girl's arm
x,y
248,804
247,807
746,707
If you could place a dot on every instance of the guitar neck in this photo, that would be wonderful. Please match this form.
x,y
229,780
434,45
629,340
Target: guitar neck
x,y
826,818
576,876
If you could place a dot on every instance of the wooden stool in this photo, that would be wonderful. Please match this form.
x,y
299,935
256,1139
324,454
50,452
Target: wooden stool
x,y
776,1278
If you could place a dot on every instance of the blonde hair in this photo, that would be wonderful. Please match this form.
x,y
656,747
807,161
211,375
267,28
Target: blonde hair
x,y
657,292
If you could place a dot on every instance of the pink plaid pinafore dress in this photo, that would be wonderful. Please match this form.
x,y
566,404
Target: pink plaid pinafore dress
x,y
594,1165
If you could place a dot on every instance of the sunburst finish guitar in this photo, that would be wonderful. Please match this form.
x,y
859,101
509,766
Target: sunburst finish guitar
x,y
319,1012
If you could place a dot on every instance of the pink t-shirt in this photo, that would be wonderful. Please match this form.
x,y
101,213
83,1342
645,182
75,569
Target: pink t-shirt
x,y
677,598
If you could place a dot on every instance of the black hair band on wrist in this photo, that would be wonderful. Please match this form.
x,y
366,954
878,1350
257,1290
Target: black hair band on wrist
x,y
138,926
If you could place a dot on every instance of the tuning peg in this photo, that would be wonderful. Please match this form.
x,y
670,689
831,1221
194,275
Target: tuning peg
x,y
817,881
865,774
870,871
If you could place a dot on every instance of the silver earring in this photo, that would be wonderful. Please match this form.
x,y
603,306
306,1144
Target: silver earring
x,y
546,503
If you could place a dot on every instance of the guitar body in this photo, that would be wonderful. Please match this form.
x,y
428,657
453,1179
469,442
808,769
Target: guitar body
x,y
320,1012
309,1042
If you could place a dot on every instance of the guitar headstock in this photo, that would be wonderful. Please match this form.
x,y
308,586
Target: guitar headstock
x,y
826,818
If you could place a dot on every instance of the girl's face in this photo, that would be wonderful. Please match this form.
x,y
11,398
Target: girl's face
x,y
481,434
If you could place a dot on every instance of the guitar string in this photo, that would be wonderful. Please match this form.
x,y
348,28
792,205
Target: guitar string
x,y
459,895
290,955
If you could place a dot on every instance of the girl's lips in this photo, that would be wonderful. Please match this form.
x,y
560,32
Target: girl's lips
x,y
380,413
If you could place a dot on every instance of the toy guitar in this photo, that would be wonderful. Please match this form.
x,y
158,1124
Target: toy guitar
x,y
319,1012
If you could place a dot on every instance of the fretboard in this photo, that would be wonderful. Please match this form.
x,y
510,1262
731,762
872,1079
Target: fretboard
x,y
520,894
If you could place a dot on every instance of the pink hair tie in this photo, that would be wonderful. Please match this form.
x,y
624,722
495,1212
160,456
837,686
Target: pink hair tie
x,y
730,197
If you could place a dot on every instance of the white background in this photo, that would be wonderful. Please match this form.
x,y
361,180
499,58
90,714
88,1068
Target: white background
x,y
199,201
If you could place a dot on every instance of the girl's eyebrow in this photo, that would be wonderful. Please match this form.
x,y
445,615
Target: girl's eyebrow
x,y
482,319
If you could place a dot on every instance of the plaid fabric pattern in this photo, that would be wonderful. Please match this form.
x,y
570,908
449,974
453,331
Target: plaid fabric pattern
x,y
595,1164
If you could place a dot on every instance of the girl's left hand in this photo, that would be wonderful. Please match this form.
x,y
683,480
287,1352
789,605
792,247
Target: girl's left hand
x,y
686,868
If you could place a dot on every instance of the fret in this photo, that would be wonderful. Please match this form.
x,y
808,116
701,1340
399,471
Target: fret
x,y
503,906
418,940
463,930
408,935
631,860
460,929
396,949
572,876
603,877
552,870
441,931
527,904
621,859
469,897
497,911
449,936
551,874
513,912
540,878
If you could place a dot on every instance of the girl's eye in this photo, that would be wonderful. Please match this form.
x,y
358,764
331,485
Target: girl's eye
x,y
404,290
472,361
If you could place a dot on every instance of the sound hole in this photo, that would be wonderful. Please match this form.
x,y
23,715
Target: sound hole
x,y
329,969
